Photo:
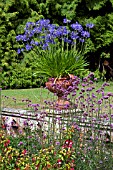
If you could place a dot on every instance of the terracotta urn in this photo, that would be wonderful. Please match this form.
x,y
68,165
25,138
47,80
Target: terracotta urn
x,y
59,86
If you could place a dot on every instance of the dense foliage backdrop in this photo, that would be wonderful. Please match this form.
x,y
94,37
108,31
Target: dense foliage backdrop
x,y
16,71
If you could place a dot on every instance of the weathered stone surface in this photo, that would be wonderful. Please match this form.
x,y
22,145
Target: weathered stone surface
x,y
16,120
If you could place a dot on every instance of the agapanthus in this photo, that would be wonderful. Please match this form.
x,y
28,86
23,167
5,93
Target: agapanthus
x,y
85,34
47,34
65,20
90,25
77,26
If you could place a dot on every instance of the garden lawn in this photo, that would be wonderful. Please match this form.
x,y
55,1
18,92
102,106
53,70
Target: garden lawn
x,y
21,97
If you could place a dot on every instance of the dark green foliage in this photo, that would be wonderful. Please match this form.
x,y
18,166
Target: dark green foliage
x,y
13,16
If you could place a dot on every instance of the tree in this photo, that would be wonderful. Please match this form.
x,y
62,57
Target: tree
x,y
13,16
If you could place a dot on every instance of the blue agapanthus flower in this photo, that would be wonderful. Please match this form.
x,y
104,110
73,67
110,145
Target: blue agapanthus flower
x,y
90,25
74,35
77,26
65,21
28,47
44,34
85,34
19,51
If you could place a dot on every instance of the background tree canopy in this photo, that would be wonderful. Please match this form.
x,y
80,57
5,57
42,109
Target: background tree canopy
x,y
18,73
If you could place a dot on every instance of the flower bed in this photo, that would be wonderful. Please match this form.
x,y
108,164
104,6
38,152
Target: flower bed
x,y
72,154
72,139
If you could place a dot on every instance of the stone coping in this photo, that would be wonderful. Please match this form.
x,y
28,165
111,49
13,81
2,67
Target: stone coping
x,y
25,114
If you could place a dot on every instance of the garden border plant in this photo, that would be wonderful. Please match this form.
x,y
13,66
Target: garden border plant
x,y
58,50
77,149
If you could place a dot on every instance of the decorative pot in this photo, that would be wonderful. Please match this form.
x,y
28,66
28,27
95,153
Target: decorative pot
x,y
60,87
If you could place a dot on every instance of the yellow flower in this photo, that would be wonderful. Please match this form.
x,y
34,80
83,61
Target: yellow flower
x,y
67,166
63,152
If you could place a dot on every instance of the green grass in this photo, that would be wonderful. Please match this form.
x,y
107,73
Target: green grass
x,y
108,88
36,95
31,94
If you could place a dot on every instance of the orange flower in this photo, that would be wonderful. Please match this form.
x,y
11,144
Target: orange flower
x,y
27,167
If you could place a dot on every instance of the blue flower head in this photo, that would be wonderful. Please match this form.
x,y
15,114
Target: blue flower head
x,y
45,46
81,40
76,26
85,34
43,22
89,25
74,35
65,21
32,42
28,47
43,34
19,37
36,43
67,40
29,25
19,51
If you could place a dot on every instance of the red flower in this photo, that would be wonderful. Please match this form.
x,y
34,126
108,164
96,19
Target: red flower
x,y
59,161
54,153
3,127
72,161
68,144
7,143
24,151
33,159
37,166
